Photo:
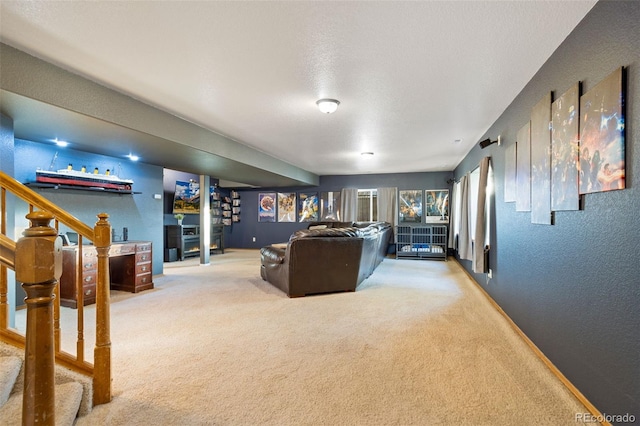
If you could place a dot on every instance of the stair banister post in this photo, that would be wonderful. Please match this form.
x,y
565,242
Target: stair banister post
x,y
102,351
38,267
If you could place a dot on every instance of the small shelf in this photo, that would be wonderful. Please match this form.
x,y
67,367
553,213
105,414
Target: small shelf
x,y
41,185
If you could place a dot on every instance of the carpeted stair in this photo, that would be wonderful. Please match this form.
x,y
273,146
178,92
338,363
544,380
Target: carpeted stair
x,y
73,392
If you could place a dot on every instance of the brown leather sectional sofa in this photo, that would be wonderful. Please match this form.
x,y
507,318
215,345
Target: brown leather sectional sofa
x,y
327,257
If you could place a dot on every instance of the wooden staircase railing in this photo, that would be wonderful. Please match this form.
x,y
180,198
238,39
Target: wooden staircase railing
x,y
12,257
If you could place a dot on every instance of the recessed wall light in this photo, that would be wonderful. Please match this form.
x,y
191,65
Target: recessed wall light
x,y
61,144
133,157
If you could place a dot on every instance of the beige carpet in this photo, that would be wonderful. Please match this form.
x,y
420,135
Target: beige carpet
x,y
417,344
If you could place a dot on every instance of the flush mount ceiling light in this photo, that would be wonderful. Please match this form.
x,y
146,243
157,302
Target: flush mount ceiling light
x,y
328,105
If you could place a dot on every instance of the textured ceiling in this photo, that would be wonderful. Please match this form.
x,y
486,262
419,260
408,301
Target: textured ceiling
x,y
412,77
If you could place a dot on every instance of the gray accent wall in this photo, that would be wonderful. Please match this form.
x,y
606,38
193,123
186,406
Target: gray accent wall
x,y
574,287
241,234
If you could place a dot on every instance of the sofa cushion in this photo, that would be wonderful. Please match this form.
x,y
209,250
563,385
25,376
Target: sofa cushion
x,y
330,224
325,232
312,227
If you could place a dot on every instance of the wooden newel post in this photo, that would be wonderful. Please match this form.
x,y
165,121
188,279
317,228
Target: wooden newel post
x,y
38,267
102,351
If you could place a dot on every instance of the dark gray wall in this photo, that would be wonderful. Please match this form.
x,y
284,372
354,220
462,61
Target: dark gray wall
x,y
573,287
241,233
140,213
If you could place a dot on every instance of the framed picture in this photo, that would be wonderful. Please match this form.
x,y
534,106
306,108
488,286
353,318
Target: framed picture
x,y
410,206
330,206
308,207
186,199
286,207
565,119
266,207
602,141
436,205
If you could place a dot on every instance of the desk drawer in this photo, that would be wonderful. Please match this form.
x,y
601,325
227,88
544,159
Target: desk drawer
x,y
144,256
89,254
89,278
89,265
122,249
89,294
143,247
143,279
143,268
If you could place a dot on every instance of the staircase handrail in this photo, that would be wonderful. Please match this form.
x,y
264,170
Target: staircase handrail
x,y
30,196
101,238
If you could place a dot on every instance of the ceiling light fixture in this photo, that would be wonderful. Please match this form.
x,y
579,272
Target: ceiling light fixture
x,y
133,157
367,154
328,105
61,143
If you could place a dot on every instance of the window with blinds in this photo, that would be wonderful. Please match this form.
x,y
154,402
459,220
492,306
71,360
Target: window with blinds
x,y
367,205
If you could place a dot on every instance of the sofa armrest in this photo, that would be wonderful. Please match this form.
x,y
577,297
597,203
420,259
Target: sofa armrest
x,y
274,267
272,255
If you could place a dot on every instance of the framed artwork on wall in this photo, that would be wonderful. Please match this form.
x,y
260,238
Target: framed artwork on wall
x,y
330,206
286,207
602,139
436,205
186,199
565,119
410,206
266,207
308,207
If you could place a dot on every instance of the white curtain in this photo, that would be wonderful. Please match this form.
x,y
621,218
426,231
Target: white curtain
x,y
349,204
481,218
387,208
465,249
453,216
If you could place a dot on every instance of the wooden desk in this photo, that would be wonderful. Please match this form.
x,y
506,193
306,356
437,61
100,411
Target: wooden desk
x,y
130,269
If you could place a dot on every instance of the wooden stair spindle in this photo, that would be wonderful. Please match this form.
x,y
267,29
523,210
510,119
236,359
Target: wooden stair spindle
x,y
102,351
38,267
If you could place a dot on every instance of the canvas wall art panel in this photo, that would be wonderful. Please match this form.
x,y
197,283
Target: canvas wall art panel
x,y
523,169
308,207
266,207
330,206
436,205
410,206
510,173
565,119
286,207
541,162
602,138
